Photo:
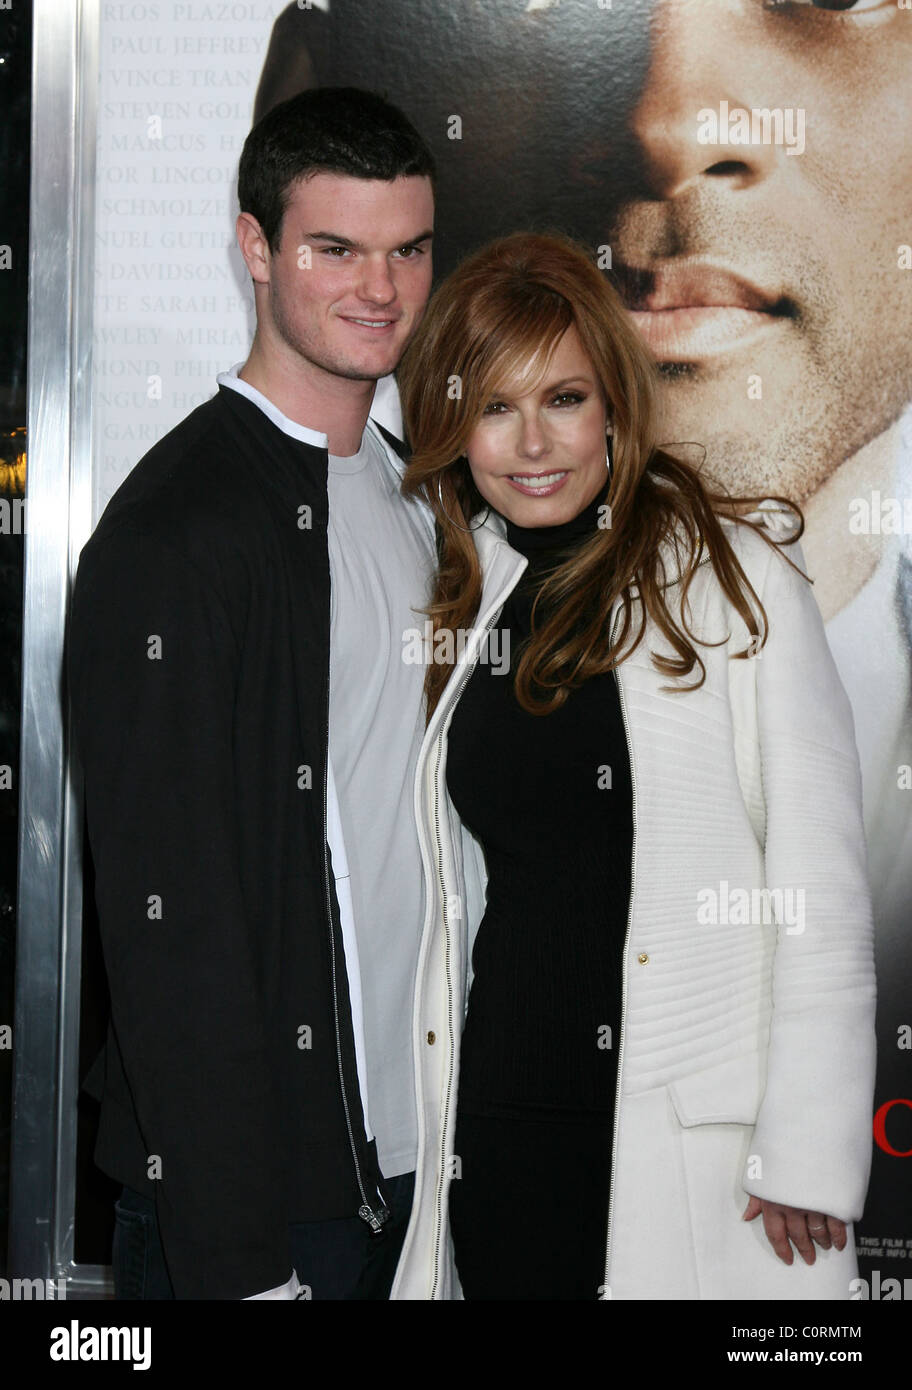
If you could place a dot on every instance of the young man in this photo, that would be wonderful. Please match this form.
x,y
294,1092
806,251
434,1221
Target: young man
x,y
248,732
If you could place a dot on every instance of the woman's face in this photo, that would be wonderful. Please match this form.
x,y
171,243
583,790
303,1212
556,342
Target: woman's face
x,y
538,455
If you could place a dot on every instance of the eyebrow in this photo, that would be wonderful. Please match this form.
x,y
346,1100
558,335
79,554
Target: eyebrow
x,y
557,385
336,240
567,381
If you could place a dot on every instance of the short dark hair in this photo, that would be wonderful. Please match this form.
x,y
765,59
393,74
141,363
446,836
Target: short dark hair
x,y
327,130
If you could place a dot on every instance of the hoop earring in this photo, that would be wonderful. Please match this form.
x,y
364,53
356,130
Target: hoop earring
x,y
467,529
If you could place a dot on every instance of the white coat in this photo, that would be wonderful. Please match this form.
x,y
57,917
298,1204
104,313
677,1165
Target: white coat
x,y
746,1060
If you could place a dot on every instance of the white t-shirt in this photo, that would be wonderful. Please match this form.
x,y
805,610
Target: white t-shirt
x,y
381,558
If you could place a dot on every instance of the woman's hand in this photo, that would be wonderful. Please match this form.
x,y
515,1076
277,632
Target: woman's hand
x,y
785,1224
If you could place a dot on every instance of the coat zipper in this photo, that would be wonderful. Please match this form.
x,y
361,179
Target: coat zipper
x,y
446,931
617,1087
374,1219
614,1141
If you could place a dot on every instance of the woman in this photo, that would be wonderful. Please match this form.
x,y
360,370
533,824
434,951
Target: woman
x,y
669,979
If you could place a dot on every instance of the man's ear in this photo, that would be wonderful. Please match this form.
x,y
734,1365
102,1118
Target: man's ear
x,y
254,247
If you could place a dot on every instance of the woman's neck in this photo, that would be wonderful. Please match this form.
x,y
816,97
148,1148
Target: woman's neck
x,y
533,541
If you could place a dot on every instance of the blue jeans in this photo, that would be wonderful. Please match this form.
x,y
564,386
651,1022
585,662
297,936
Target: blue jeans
x,y
338,1259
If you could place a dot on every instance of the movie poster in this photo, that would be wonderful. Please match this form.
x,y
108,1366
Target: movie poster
x,y
743,171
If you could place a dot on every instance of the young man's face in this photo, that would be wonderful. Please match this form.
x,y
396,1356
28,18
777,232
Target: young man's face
x,y
347,286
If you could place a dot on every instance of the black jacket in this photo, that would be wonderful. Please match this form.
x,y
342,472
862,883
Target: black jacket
x,y
198,663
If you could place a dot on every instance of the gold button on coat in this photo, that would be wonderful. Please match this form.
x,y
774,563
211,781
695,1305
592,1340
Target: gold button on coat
x,y
643,958
432,1038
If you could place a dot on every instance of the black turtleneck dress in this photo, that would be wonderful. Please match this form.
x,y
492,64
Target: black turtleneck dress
x,y
549,798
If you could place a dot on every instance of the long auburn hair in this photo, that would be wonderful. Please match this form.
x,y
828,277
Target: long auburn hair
x,y
505,305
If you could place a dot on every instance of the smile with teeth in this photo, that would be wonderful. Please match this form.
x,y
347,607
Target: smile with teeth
x,y
542,480
373,323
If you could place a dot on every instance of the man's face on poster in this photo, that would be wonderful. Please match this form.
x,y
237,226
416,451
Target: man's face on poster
x,y
769,282
813,356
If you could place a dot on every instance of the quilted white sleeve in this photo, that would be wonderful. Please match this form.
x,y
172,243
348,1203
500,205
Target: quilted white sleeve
x,y
813,1132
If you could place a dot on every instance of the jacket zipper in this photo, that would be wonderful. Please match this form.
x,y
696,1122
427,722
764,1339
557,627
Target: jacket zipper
x,y
374,1219
630,918
614,1141
617,1087
446,931
438,1224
